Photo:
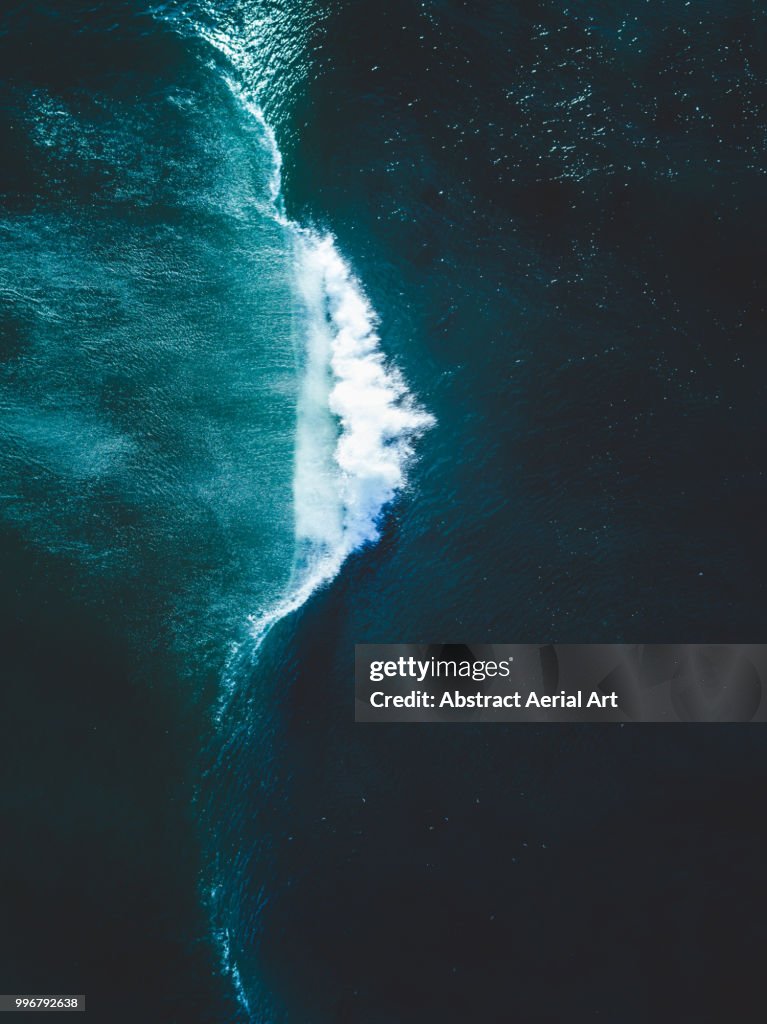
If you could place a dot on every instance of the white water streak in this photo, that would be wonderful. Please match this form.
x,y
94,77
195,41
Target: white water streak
x,y
356,419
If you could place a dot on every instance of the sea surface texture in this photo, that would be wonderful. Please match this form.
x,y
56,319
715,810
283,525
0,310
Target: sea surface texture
x,y
335,322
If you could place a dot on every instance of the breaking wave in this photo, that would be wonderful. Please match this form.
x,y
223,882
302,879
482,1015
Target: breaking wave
x,y
357,420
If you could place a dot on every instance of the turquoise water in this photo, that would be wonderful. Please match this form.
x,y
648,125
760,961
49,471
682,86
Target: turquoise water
x,y
198,422
201,393
148,415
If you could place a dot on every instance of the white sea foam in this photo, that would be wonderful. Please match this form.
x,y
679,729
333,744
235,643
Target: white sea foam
x,y
356,419
269,140
356,425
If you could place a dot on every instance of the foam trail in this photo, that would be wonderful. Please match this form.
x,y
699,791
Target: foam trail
x,y
356,418
356,425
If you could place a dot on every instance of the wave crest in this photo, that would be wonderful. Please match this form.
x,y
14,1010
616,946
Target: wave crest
x,y
377,416
357,420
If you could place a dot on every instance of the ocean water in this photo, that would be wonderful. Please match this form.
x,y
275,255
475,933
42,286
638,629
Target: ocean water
x,y
327,323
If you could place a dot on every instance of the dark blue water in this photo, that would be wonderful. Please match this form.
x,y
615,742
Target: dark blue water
x,y
326,324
